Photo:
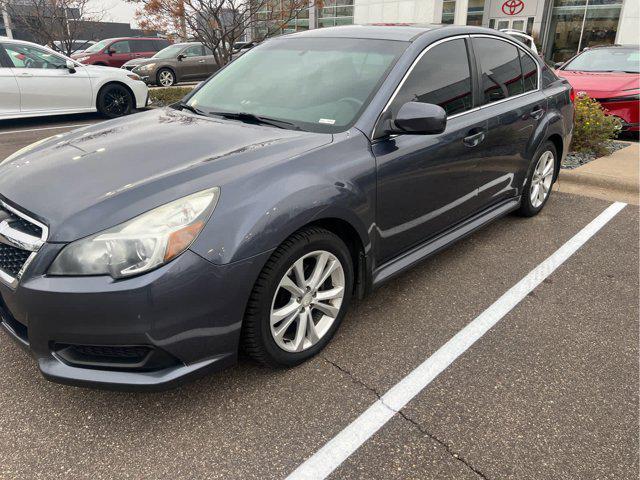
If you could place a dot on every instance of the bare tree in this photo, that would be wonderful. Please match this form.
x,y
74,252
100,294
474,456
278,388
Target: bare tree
x,y
56,23
218,24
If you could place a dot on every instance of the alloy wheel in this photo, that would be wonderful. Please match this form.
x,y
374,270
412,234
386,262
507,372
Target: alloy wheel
x,y
307,301
165,78
542,178
117,102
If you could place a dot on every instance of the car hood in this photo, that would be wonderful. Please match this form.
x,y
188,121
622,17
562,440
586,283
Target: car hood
x,y
96,177
602,84
102,71
142,61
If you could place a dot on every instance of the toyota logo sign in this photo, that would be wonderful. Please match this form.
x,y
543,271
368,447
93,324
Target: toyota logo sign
x,y
512,7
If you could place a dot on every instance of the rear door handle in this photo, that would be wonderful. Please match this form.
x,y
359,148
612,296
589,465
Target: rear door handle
x,y
537,113
474,139
25,74
201,61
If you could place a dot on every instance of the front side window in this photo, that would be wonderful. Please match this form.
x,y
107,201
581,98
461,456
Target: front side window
x,y
193,51
26,56
499,67
442,77
315,84
120,47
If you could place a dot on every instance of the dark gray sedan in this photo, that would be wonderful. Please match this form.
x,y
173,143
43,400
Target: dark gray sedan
x,y
142,251
180,62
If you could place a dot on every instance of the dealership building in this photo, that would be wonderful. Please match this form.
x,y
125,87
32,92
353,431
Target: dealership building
x,y
561,27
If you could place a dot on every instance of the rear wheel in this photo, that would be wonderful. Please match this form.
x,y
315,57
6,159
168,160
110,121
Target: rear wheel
x,y
537,189
115,101
299,300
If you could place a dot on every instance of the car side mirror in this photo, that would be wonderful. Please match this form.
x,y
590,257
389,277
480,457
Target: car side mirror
x,y
111,51
420,118
71,66
558,64
181,57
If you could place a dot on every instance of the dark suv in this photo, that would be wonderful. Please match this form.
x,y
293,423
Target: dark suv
x,y
115,52
315,167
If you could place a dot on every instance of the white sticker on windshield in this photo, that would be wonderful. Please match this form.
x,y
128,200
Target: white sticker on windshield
x,y
328,121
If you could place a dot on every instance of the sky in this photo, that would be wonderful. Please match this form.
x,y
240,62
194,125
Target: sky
x,y
116,11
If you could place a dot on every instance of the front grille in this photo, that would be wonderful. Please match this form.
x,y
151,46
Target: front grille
x,y
129,67
136,352
12,259
14,228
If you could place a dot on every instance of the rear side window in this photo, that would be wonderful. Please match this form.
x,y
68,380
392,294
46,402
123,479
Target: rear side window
x,y
529,72
442,77
143,45
499,67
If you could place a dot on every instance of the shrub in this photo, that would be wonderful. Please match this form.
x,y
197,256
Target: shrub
x,y
593,129
166,96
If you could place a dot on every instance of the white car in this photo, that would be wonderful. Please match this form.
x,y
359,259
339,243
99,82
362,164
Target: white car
x,y
522,37
37,81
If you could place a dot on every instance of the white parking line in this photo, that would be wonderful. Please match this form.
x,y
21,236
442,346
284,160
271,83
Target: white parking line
x,y
47,128
339,448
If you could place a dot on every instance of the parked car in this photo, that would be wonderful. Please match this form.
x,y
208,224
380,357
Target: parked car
x,y
180,62
36,81
313,168
115,52
77,46
522,37
610,75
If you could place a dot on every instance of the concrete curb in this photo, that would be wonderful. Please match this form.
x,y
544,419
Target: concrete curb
x,y
599,181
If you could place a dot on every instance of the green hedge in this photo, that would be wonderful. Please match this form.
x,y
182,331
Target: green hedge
x,y
166,96
593,130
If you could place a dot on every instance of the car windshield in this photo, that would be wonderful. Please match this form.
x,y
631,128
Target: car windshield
x,y
96,47
169,52
313,84
606,60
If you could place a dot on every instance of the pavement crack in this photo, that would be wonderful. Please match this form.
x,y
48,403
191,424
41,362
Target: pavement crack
x,y
442,443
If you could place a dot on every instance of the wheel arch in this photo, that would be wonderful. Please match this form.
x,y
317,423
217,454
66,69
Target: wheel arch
x,y
557,141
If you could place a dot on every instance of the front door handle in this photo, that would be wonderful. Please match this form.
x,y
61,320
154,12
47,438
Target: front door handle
x,y
25,74
475,139
201,61
537,113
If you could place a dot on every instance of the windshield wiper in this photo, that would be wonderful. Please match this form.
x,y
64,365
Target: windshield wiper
x,y
256,119
186,106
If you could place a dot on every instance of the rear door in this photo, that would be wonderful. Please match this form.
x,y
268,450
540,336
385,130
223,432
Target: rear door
x,y
45,84
9,91
143,48
428,183
118,53
512,105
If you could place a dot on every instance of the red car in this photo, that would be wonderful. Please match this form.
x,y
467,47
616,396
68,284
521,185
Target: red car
x,y
611,75
115,52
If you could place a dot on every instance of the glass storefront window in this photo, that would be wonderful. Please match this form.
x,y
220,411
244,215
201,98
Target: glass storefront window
x,y
448,11
335,12
475,11
576,24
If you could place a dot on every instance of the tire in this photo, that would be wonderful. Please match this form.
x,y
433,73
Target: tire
x,y
115,100
165,78
281,344
532,203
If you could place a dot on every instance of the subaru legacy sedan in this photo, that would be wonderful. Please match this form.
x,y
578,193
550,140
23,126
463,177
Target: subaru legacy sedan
x,y
146,250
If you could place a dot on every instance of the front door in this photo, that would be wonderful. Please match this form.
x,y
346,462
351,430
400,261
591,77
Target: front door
x,y
194,63
118,53
428,183
44,81
9,91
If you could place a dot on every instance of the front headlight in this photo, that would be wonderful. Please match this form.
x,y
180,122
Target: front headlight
x,y
142,244
28,148
146,68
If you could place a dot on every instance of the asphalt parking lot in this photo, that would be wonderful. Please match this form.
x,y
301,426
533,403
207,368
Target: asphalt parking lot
x,y
550,392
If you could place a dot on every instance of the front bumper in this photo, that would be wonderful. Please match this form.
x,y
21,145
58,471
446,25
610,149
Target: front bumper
x,y
188,313
627,111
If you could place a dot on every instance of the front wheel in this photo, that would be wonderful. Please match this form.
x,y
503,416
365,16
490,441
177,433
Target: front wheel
x,y
539,182
166,78
115,101
299,299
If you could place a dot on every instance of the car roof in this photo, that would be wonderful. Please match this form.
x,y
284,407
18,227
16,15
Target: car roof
x,y
131,38
398,32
